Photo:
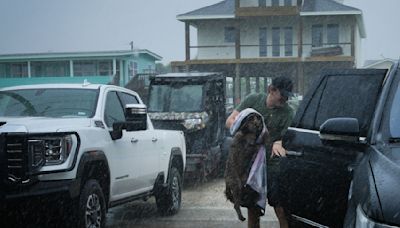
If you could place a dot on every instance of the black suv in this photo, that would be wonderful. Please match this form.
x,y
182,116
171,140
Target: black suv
x,y
343,163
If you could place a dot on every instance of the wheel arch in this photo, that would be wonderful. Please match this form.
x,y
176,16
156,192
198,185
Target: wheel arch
x,y
94,165
176,160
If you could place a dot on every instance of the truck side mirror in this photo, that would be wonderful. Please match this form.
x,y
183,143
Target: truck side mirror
x,y
136,117
136,120
340,129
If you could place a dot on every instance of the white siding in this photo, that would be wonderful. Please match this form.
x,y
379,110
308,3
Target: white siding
x,y
211,33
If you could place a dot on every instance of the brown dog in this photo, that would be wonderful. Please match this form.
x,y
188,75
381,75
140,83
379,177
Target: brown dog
x,y
243,149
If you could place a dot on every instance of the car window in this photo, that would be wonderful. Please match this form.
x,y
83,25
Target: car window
x,y
343,94
113,111
395,115
55,103
128,99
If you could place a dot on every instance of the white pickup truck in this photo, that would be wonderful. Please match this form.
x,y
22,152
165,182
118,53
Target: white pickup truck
x,y
83,149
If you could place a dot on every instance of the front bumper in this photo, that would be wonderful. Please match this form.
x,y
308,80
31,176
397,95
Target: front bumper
x,y
48,190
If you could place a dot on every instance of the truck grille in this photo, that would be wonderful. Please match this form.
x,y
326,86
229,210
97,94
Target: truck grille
x,y
16,159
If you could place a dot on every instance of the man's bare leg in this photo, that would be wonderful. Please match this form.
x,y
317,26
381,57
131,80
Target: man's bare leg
x,y
253,218
280,213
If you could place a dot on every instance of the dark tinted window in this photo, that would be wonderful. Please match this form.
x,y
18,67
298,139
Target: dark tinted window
x,y
114,111
341,95
128,99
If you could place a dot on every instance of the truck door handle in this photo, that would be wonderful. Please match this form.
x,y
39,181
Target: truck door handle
x,y
154,139
134,140
294,153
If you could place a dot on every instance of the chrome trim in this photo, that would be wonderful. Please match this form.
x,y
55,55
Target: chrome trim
x,y
361,139
309,222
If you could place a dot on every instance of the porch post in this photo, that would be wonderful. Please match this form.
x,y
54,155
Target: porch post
x,y
187,41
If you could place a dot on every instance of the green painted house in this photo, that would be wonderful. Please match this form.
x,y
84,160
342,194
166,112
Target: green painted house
x,y
104,67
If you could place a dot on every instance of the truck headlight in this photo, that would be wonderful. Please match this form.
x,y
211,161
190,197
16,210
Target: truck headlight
x,y
50,150
194,124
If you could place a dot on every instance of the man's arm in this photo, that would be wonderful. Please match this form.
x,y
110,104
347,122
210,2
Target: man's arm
x,y
231,119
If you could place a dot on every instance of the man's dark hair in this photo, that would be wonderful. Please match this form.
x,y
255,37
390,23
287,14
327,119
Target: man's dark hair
x,y
284,85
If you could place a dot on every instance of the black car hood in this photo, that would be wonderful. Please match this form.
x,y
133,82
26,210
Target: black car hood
x,y
386,170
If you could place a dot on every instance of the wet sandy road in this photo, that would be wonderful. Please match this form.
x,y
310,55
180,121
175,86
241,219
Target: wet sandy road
x,y
203,205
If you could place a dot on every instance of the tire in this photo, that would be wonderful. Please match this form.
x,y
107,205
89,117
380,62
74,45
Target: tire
x,y
169,200
91,206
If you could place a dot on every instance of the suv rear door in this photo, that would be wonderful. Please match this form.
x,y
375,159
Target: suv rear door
x,y
315,176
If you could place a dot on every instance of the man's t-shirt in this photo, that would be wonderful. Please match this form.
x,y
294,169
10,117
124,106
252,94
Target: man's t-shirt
x,y
277,120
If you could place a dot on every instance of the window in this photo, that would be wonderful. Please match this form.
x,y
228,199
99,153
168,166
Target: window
x,y
287,3
229,34
275,2
84,68
50,69
19,70
316,31
288,41
342,95
333,34
262,2
263,41
132,69
128,99
105,68
57,103
276,41
113,111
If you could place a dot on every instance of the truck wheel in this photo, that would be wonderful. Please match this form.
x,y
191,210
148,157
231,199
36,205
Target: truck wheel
x,y
169,200
91,206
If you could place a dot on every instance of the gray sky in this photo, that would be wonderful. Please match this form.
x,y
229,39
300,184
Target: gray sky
x,y
96,25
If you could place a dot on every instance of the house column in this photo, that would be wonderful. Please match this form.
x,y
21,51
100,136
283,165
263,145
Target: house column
x,y
71,68
353,40
187,41
121,73
237,89
300,38
114,67
29,69
257,84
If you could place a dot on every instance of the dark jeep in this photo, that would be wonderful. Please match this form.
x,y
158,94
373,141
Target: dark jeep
x,y
195,104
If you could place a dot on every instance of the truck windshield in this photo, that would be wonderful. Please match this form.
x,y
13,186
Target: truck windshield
x,y
48,102
170,98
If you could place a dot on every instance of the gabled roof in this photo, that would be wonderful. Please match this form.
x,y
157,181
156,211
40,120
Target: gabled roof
x,y
226,10
48,55
221,10
326,6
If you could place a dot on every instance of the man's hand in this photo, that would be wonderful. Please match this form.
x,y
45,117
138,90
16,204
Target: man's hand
x,y
278,150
